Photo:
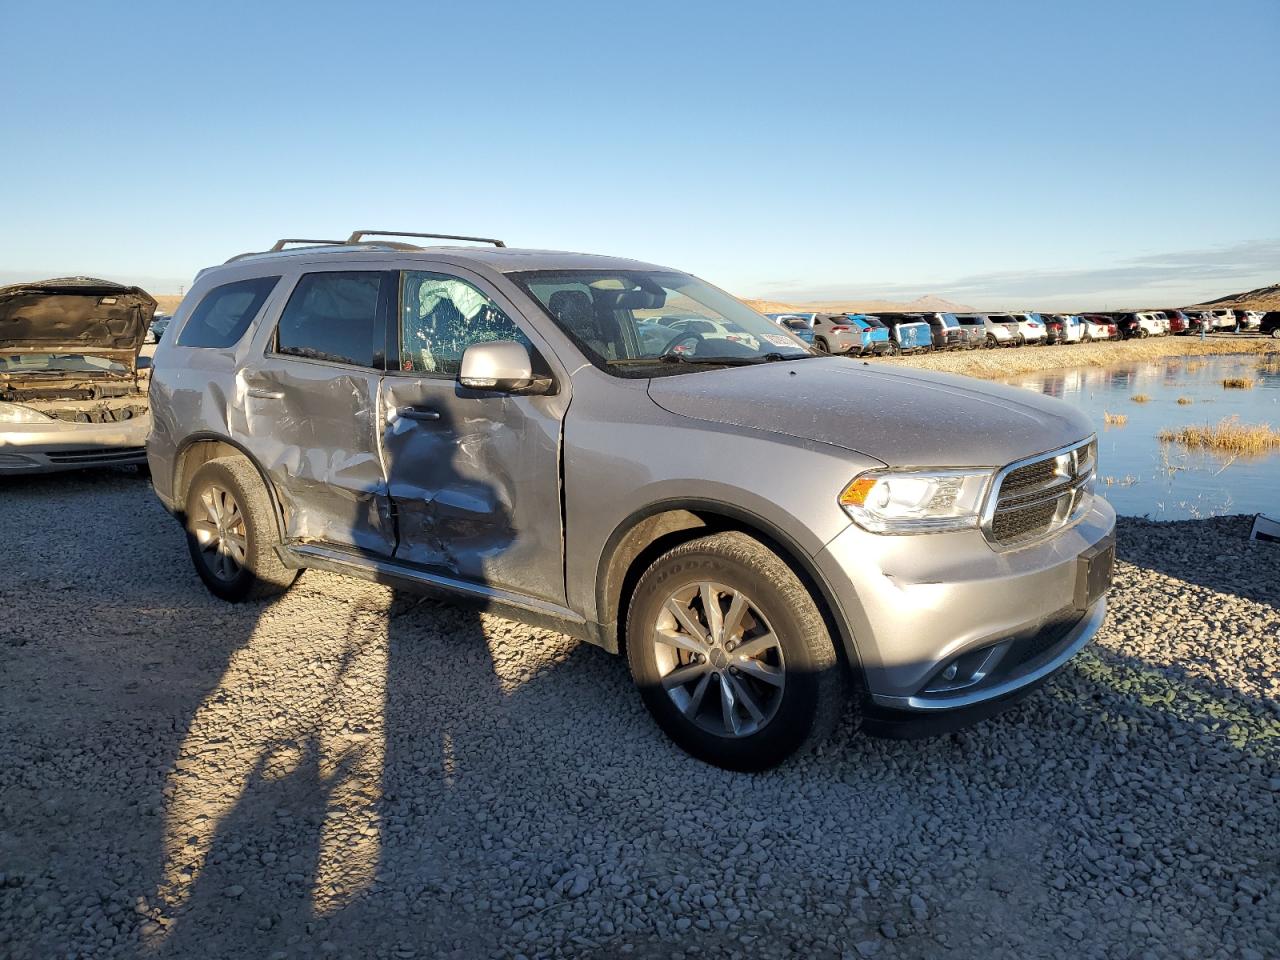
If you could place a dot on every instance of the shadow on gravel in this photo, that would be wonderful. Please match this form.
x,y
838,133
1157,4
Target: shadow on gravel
x,y
350,771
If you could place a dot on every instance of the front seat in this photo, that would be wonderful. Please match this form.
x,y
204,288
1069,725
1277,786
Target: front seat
x,y
574,311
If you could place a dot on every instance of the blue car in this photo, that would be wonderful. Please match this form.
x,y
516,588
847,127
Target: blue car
x,y
875,335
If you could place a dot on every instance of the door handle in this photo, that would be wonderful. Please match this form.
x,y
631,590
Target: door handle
x,y
417,413
262,393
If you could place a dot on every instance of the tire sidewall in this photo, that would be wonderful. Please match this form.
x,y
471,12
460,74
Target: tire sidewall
x,y
790,726
241,586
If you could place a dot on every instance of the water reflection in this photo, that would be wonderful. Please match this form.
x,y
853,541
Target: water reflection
x,y
1144,477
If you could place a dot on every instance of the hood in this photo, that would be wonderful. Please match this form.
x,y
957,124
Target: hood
x,y
78,315
901,417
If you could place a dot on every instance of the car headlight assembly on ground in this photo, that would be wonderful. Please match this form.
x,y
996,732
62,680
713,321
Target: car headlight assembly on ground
x,y
927,501
17,413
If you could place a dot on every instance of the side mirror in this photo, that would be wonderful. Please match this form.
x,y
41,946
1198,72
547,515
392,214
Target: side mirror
x,y
503,366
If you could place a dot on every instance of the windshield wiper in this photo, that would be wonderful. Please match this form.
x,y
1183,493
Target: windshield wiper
x,y
710,361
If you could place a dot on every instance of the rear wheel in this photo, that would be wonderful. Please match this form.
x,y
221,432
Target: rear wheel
x,y
231,532
821,345
731,655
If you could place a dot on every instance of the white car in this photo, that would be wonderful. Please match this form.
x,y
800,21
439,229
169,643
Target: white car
x,y
1031,326
711,330
1162,321
1224,319
1098,327
1251,319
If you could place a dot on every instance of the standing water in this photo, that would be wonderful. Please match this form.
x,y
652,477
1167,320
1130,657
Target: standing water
x,y
1144,476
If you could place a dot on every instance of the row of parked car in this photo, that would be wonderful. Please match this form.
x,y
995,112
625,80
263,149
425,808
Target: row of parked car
x,y
861,334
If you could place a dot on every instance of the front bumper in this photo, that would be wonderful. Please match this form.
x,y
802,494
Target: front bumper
x,y
915,605
59,445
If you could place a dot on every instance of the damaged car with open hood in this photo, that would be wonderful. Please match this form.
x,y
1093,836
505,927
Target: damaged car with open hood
x,y
72,394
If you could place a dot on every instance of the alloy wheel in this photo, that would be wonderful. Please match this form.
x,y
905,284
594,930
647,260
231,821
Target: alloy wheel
x,y
221,533
719,660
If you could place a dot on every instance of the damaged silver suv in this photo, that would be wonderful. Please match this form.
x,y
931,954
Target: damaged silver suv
x,y
768,535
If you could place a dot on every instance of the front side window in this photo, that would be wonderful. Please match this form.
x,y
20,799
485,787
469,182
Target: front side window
x,y
335,317
226,312
440,316
643,320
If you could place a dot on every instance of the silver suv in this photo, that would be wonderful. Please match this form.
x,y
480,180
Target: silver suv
x,y
767,534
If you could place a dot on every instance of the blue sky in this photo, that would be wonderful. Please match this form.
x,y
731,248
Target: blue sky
x,y
1098,154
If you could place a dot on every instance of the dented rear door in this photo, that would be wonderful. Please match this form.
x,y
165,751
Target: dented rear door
x,y
474,477
310,408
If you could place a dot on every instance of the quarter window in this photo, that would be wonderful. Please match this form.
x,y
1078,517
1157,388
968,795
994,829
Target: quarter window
x,y
335,317
440,316
225,313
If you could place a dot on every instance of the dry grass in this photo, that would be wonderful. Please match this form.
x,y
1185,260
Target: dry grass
x,y
1228,435
1002,364
1238,383
1269,365
1194,365
1185,401
1114,419
1128,480
1140,398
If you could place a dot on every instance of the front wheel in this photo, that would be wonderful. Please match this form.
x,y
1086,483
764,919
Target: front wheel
x,y
821,346
232,534
731,655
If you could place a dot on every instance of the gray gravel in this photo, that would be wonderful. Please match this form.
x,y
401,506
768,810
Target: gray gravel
x,y
348,772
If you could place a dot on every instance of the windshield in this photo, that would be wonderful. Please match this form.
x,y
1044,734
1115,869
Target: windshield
x,y
58,363
648,318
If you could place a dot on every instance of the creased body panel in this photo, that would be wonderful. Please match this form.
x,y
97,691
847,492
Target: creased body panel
x,y
476,488
312,427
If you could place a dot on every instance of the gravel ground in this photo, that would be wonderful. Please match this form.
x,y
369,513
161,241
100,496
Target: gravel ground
x,y
1009,362
351,772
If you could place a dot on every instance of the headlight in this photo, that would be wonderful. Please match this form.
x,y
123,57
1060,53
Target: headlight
x,y
891,501
16,413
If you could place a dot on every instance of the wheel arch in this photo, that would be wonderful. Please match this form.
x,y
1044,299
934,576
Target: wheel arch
x,y
650,532
199,449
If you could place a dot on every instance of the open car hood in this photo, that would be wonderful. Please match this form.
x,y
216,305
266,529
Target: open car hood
x,y
77,315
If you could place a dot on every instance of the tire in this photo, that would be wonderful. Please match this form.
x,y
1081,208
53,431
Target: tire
x,y
992,342
1142,334
738,571
1275,332
821,345
892,350
1087,338
227,504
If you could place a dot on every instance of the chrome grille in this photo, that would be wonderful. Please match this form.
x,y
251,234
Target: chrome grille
x,y
1035,497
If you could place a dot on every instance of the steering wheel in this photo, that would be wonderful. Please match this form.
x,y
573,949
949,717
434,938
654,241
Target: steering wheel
x,y
678,339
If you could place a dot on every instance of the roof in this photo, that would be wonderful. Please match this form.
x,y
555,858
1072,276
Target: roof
x,y
501,259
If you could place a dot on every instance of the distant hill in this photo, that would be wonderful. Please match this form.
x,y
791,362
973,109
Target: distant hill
x,y
1264,298
928,304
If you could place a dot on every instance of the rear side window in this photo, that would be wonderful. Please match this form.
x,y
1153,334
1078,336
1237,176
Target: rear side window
x,y
226,312
336,317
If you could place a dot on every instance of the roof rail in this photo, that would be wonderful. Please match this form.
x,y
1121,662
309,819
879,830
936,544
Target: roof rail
x,y
357,234
281,244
